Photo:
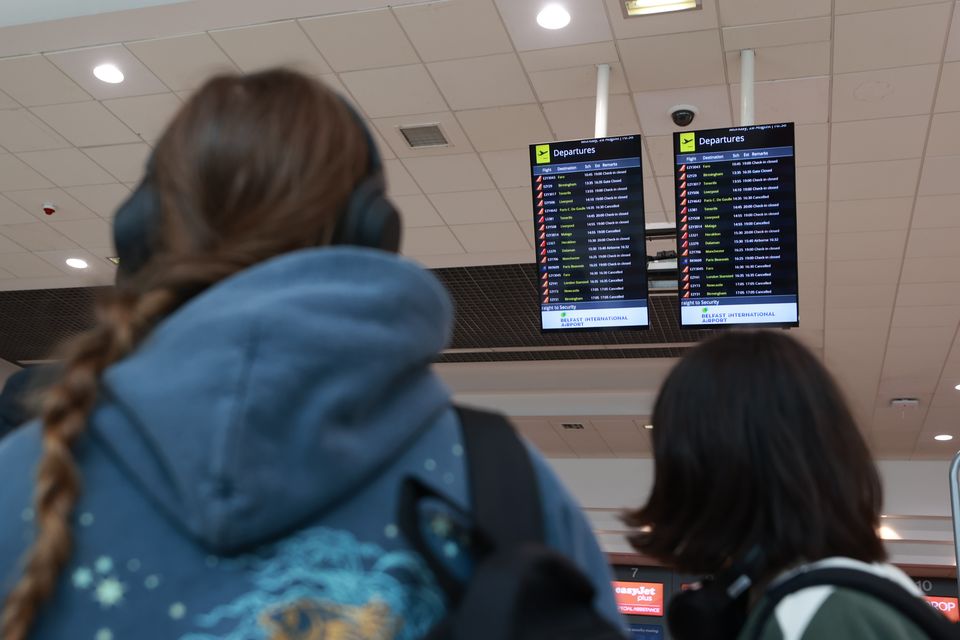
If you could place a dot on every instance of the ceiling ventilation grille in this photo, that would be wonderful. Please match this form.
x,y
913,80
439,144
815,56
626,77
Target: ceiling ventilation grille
x,y
424,135
573,426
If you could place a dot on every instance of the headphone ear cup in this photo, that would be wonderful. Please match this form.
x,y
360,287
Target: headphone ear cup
x,y
706,613
370,219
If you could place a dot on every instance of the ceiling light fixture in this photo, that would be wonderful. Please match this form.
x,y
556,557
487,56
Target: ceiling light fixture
x,y
108,73
943,437
553,16
632,8
648,427
957,387
77,263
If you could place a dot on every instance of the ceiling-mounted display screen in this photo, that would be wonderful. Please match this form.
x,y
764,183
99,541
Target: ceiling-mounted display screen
x,y
737,226
589,231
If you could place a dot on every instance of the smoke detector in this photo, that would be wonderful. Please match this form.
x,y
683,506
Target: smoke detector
x,y
422,136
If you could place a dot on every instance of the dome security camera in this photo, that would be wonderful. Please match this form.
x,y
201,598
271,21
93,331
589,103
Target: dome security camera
x,y
683,114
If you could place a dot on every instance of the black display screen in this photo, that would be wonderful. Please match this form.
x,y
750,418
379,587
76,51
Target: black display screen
x,y
589,229
737,226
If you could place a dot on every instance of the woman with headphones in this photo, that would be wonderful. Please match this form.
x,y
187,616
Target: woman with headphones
x,y
223,454
764,482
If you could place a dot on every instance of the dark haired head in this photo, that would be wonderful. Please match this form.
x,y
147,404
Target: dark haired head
x,y
755,444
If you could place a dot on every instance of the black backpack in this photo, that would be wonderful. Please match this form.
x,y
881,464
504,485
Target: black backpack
x,y
520,589
930,621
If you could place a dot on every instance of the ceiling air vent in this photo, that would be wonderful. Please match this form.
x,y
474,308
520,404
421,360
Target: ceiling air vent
x,y
421,136
572,426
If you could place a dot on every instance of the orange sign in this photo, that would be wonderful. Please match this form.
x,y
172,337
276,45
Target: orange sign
x,y
946,606
639,598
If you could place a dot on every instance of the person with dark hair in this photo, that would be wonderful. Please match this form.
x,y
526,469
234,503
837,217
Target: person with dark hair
x,y
761,474
20,393
222,455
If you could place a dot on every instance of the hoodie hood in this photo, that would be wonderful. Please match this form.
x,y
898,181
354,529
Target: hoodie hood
x,y
279,392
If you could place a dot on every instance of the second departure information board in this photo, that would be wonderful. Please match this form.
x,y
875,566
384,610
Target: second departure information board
x,y
589,230
737,226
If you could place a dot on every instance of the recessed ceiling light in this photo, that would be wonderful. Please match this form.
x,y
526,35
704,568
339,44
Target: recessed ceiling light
x,y
77,263
553,16
943,437
648,427
957,387
109,73
649,7
889,533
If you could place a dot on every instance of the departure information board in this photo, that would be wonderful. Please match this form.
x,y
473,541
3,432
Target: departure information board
x,y
589,230
737,226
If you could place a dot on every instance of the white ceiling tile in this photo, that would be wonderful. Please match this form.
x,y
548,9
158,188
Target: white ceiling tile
x,y
574,119
68,208
147,116
776,34
66,167
577,82
812,146
920,294
277,44
811,218
27,265
471,207
20,130
924,269
492,237
455,29
940,176
12,213
126,161
883,139
866,245
661,154
858,6
953,40
86,124
396,91
944,135
654,202
7,245
936,211
812,247
861,295
803,101
811,275
588,23
445,174
915,360
15,174
102,199
430,241
654,108
894,38
386,153
457,140
332,81
624,437
569,57
399,182
520,203
86,233
34,80
852,216
656,24
37,236
739,12
98,272
544,437
941,316
79,65
890,179
381,44
695,60
905,91
508,168
474,83
6,102
934,243
784,62
183,63
811,184
502,128
948,97
416,211
849,271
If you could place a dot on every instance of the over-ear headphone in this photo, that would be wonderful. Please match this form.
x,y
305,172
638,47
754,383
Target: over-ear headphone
x,y
369,219
716,609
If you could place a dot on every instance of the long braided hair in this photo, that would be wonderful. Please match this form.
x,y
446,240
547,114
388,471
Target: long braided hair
x,y
250,168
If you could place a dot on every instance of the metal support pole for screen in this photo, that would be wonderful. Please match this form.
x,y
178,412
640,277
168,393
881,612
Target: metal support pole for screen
x,y
955,509
603,100
746,87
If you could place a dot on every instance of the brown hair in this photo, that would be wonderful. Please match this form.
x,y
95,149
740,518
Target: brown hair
x,y
250,168
754,445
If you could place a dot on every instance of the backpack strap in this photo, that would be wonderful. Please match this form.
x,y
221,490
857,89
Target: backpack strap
x,y
890,593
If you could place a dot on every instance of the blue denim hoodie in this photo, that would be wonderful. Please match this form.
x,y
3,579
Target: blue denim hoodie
x,y
241,468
